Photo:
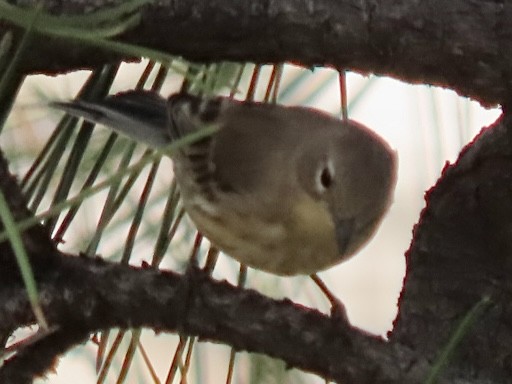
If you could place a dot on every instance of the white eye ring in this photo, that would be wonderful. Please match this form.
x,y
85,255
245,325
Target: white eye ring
x,y
324,177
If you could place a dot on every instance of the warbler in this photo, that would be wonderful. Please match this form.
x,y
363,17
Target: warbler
x,y
287,190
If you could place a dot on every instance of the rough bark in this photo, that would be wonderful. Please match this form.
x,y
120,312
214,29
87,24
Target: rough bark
x,y
460,255
464,45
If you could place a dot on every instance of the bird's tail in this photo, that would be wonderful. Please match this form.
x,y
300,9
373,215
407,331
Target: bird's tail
x,y
141,115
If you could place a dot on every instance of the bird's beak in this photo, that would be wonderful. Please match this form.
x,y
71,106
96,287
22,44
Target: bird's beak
x,y
344,230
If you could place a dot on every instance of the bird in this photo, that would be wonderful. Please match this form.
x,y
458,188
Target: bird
x,y
289,190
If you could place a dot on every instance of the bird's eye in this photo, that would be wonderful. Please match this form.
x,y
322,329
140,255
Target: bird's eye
x,y
324,178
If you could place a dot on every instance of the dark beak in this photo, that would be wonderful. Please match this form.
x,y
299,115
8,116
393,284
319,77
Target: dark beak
x,y
344,231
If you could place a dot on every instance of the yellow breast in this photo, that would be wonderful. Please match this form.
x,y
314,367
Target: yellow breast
x,y
301,241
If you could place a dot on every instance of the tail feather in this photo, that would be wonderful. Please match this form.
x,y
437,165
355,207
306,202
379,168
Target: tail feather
x,y
147,117
140,115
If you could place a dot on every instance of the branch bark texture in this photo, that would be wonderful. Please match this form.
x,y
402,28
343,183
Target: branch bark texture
x,y
464,45
461,253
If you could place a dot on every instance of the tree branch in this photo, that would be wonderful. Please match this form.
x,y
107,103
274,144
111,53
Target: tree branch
x,y
467,47
461,253
128,297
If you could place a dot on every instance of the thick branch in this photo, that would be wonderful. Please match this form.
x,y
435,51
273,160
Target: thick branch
x,y
461,253
84,294
465,47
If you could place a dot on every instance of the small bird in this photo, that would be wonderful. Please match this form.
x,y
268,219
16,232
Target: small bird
x,y
287,190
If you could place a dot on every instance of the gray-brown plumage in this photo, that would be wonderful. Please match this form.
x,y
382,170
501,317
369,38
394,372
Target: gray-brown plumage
x,y
288,190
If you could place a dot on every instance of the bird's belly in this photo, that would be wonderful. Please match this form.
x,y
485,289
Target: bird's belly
x,y
279,247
